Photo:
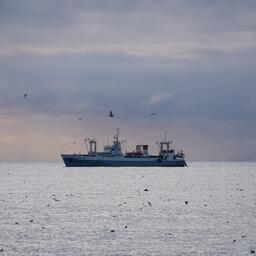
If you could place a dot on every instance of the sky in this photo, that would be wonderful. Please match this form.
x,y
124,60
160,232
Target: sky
x,y
192,62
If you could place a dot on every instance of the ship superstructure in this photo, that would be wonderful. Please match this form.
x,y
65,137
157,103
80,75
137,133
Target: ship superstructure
x,y
113,156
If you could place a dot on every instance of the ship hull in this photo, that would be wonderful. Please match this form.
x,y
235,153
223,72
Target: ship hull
x,y
89,161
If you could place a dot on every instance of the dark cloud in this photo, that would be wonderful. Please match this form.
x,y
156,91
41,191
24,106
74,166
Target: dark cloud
x,y
216,87
73,24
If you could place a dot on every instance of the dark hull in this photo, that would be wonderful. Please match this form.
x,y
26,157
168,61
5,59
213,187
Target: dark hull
x,y
71,161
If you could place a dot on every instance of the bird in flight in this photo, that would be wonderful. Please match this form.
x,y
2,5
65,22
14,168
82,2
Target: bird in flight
x,y
25,95
153,114
80,118
111,114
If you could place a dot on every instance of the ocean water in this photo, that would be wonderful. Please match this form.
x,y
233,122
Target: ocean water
x,y
48,209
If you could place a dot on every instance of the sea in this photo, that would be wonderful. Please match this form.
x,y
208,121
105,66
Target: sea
x,y
204,209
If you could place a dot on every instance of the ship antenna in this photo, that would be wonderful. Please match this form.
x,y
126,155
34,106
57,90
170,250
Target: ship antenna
x,y
86,145
117,133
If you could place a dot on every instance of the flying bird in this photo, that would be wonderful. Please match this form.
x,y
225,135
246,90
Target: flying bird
x,y
153,114
111,114
80,118
25,95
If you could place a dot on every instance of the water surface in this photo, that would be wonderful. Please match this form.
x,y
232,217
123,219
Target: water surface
x,y
48,209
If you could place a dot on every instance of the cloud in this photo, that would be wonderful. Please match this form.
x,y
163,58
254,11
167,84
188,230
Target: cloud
x,y
90,83
175,29
158,98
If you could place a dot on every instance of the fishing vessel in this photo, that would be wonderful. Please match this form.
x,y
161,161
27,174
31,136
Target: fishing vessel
x,y
112,155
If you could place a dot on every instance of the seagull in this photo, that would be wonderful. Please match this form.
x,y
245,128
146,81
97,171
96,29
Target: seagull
x,y
153,114
111,114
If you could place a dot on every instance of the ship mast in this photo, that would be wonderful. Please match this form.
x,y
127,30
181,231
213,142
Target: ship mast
x,y
164,145
92,146
117,144
116,136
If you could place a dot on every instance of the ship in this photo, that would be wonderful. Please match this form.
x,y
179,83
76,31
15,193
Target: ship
x,y
112,155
